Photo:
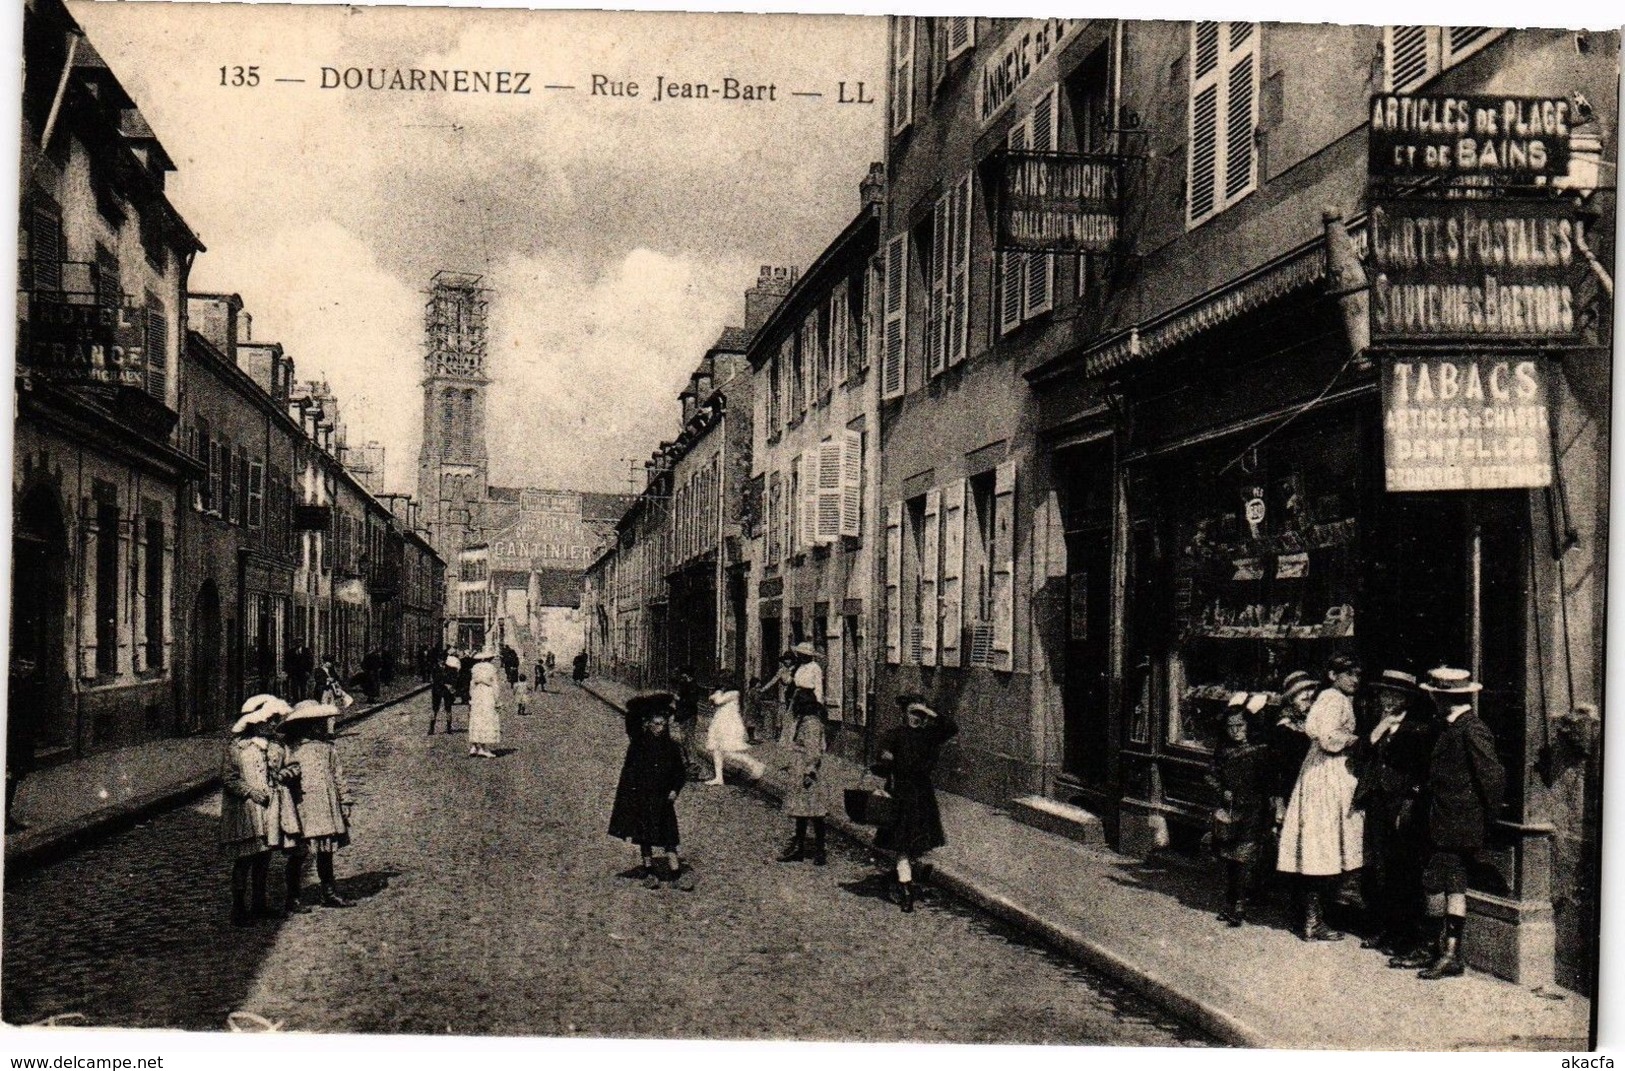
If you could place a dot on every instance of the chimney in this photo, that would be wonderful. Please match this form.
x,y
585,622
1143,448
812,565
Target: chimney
x,y
872,190
701,384
245,328
687,398
772,284
216,318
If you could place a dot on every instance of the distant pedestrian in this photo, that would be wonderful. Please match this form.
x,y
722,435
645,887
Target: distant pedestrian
x,y
301,664
806,801
510,664
578,671
908,757
1242,775
521,697
443,689
372,669
652,775
465,677
726,739
541,675
1322,832
1465,790
779,690
247,805
323,799
484,705
685,723
328,685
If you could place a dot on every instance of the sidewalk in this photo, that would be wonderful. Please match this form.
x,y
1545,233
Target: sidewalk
x,y
1152,927
62,804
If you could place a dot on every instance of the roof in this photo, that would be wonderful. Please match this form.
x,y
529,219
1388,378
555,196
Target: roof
x,y
732,340
862,234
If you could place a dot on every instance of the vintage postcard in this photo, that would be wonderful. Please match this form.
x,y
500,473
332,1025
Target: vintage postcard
x,y
863,527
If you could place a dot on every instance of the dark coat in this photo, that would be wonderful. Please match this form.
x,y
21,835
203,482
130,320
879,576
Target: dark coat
x,y
1247,772
1465,786
1287,747
918,826
653,769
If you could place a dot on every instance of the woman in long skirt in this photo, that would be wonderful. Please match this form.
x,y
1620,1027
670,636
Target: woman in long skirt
x,y
484,719
908,755
1322,832
246,805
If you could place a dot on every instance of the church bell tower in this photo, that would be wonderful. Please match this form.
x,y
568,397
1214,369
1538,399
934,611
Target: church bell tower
x,y
453,468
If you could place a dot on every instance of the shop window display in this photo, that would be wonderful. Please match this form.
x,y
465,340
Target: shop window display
x,y
1263,559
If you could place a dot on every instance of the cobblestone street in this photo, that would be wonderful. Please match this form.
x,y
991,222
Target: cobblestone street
x,y
490,901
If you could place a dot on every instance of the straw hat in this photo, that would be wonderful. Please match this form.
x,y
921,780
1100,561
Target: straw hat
x,y
805,649
310,709
261,713
1395,680
255,702
1447,680
1298,687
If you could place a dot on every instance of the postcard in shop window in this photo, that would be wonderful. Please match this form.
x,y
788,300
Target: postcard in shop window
x,y
809,527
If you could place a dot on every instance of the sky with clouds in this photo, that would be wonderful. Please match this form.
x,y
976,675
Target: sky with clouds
x,y
619,234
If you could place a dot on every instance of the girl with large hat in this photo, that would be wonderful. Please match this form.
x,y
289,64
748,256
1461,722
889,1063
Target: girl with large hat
x,y
908,756
806,802
652,775
324,801
484,718
1321,831
246,804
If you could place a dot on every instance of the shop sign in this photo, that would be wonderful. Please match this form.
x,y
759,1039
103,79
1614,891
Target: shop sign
x,y
546,532
1023,51
76,343
1504,269
1058,203
1465,423
1498,141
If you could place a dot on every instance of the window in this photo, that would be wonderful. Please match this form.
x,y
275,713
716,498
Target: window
x,y
154,592
109,293
256,494
157,345
961,35
902,73
894,583
1221,166
815,334
775,396
790,358
775,523
1027,280
223,472
917,512
239,488
204,453
107,585
152,238
894,319
45,244
1413,54
947,314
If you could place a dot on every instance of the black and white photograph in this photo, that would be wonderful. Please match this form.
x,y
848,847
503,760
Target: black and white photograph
x,y
868,527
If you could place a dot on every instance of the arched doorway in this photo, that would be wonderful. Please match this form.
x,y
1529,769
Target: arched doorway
x,y
207,702
39,716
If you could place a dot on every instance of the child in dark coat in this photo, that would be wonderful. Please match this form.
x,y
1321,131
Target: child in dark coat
x,y
908,755
651,777
1244,774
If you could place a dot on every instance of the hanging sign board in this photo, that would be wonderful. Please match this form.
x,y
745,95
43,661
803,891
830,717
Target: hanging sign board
x,y
76,343
1501,141
1465,423
1456,268
1058,202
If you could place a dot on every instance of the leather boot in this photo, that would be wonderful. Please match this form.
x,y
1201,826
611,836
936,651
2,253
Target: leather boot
x,y
330,889
1314,926
795,852
259,873
291,904
1235,914
1422,955
906,897
1448,965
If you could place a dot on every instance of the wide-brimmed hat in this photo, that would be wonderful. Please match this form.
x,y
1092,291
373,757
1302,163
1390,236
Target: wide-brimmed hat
x,y
255,702
806,649
269,707
310,710
1294,677
1304,684
453,662
1448,680
1395,680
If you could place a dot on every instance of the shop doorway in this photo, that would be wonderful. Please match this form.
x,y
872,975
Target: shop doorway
x,y
38,683
1086,498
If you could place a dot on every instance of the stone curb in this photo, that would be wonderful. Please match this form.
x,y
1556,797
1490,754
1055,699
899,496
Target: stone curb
x,y
32,848
1062,938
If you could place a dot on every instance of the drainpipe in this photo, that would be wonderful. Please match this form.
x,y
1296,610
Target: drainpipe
x,y
721,428
74,37
1597,269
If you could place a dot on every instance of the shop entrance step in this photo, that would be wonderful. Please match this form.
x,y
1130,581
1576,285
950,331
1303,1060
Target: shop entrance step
x,y
1062,819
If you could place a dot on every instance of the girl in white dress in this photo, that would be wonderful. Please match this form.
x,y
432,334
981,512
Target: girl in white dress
x,y
1322,832
727,740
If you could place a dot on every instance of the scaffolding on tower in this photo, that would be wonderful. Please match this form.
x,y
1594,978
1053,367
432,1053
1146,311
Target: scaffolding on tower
x,y
454,324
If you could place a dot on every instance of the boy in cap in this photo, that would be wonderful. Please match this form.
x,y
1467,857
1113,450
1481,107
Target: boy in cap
x,y
1465,787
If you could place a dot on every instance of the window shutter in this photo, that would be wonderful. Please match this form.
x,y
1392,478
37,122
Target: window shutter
x,y
773,395
835,668
773,495
808,506
45,248
1004,566
930,573
1202,171
840,334
953,568
1013,266
138,594
814,359
157,345
1462,41
959,273
895,325
852,483
1042,136
828,521
894,585
1241,111
902,74
1406,59
89,559
936,333
961,35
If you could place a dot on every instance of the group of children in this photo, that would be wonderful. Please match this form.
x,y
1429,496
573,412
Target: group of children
x,y
283,791
1409,798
